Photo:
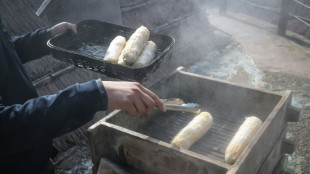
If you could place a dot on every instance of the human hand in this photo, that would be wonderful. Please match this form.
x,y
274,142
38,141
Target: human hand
x,y
62,27
131,97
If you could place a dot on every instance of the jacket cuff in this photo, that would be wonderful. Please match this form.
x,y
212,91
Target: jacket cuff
x,y
103,93
49,33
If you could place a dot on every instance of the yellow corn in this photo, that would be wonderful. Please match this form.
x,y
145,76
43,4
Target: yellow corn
x,y
193,131
115,49
147,55
242,138
135,45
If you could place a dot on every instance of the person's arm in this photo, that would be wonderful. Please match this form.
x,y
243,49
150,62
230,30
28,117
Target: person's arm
x,y
132,98
33,45
47,117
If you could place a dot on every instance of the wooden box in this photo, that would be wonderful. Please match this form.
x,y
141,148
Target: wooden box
x,y
141,144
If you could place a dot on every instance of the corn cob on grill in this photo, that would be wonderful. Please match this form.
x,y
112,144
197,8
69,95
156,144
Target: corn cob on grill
x,y
242,138
193,131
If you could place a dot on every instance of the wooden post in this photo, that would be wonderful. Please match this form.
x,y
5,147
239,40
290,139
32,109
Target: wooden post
x,y
283,17
223,7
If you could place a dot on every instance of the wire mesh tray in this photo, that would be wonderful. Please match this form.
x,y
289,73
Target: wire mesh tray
x,y
87,49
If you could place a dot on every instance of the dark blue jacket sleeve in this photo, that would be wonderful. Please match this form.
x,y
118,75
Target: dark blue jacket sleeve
x,y
32,45
46,117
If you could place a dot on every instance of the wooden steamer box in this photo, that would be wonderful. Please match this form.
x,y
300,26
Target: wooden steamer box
x,y
142,144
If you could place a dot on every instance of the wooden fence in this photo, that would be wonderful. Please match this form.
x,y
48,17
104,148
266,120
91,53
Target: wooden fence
x,y
284,12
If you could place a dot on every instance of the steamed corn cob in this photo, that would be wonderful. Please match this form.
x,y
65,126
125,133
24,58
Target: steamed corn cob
x,y
135,45
147,55
115,49
193,131
121,60
242,138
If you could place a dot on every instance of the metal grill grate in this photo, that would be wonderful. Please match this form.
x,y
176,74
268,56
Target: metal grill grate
x,y
164,126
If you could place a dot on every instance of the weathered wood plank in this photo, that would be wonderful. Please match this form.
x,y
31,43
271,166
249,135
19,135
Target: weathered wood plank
x,y
283,20
44,8
274,157
108,167
132,149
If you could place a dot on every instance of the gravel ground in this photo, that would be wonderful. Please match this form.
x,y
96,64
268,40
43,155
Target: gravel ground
x,y
76,161
298,132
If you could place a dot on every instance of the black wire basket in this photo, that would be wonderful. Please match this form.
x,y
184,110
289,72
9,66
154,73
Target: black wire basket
x,y
87,49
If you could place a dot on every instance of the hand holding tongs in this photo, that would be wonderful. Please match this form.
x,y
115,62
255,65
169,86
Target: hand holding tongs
x,y
176,104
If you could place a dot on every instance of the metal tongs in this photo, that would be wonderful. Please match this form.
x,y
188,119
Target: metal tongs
x,y
176,104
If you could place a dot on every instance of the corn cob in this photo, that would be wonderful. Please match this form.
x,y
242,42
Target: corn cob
x,y
115,49
242,138
193,131
135,45
147,55
121,60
